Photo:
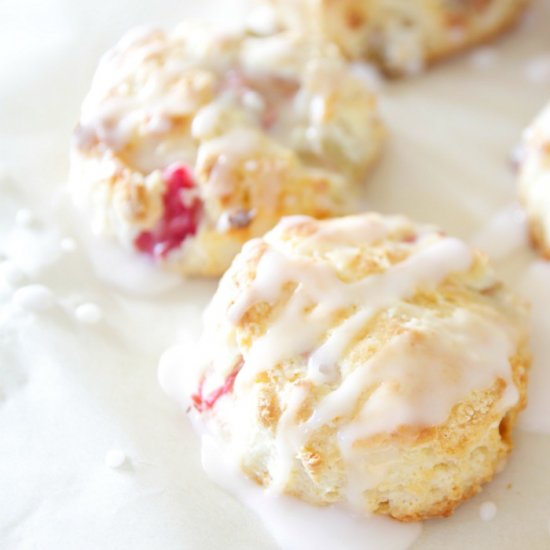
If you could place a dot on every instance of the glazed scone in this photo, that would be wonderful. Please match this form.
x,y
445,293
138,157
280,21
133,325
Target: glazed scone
x,y
366,361
191,142
534,180
402,36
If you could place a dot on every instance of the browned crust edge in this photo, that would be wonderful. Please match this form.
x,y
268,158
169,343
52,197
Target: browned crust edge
x,y
453,50
536,237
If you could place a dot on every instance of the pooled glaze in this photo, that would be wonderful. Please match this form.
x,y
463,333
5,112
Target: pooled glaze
x,y
114,266
299,526
293,524
504,234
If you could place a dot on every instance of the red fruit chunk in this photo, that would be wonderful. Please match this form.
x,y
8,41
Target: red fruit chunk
x,y
182,211
203,403
411,238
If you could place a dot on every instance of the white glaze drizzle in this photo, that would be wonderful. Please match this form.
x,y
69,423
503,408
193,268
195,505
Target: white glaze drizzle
x,y
318,286
414,383
152,81
151,77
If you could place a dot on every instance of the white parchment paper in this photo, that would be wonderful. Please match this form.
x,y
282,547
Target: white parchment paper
x,y
71,392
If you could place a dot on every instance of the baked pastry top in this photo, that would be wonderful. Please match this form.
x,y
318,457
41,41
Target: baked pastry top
x,y
365,360
193,141
534,180
402,36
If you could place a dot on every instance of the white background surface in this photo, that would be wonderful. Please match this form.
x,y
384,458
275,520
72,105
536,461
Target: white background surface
x,y
69,392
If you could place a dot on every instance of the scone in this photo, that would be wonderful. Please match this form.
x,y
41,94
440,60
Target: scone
x,y
400,35
366,361
191,142
534,180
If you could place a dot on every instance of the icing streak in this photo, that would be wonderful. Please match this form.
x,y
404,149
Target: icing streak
x,y
182,211
270,94
203,403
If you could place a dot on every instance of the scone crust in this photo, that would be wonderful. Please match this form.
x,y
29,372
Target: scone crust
x,y
402,38
273,413
267,127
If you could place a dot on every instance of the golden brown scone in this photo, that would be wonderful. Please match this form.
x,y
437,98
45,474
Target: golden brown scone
x,y
534,180
402,36
192,142
364,360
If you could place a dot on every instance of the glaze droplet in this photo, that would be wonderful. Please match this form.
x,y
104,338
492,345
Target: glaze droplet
x,y
68,244
537,70
483,58
115,458
488,511
12,274
88,313
24,217
34,298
